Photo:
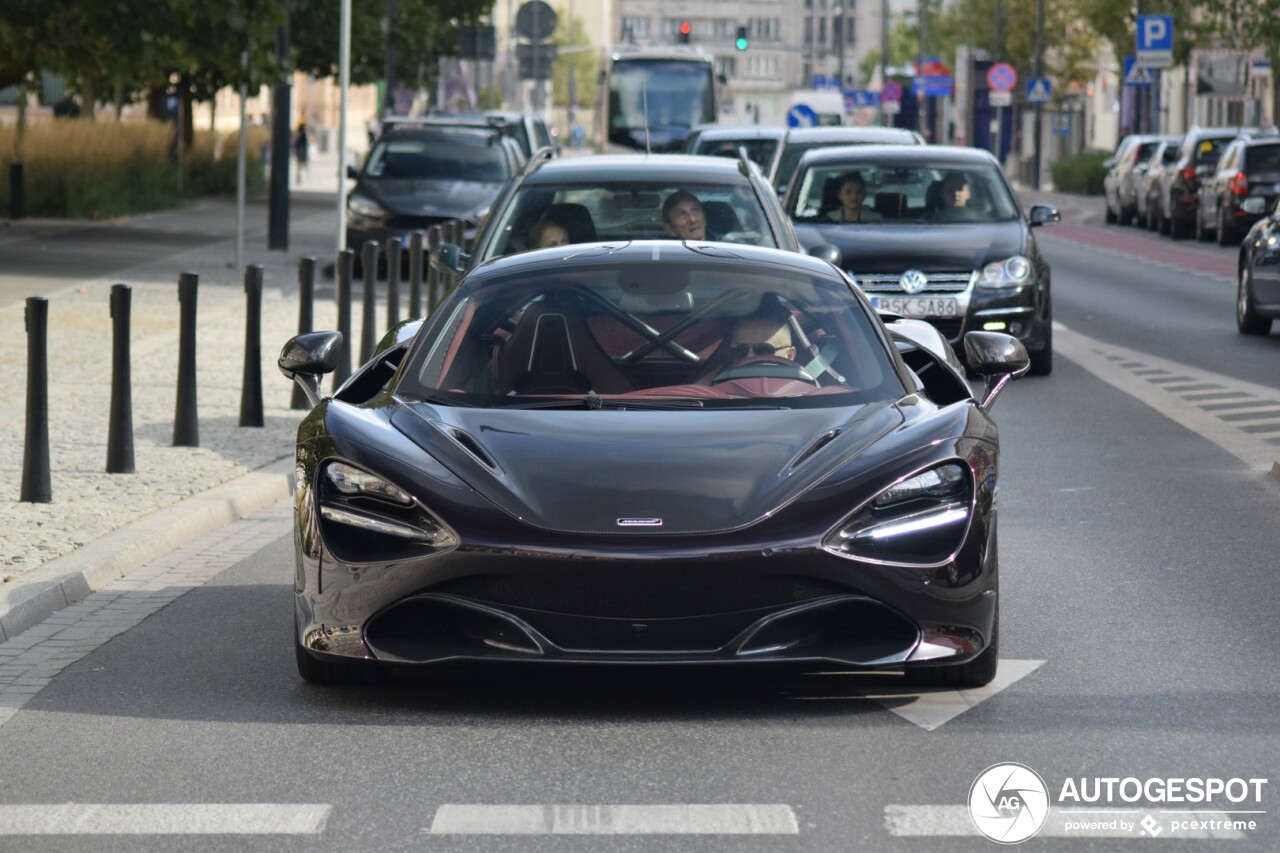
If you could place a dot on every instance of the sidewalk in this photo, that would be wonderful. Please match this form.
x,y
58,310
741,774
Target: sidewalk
x,y
101,526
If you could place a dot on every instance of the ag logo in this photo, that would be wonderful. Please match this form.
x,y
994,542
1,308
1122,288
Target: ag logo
x,y
1008,803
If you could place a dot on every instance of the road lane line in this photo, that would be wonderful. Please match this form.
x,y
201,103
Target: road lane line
x,y
938,821
675,819
1101,359
164,819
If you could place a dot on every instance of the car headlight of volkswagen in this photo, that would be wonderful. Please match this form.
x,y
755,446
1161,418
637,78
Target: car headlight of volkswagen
x,y
919,520
1010,272
364,517
362,205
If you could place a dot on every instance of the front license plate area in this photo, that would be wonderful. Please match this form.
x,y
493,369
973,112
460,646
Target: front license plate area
x,y
916,306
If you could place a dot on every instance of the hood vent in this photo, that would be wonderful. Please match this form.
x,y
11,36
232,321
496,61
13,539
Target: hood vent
x,y
818,443
473,447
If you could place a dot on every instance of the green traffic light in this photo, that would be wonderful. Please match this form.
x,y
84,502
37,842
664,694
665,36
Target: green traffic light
x,y
741,44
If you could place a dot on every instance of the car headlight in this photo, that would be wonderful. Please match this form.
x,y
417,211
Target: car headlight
x,y
919,520
350,480
365,518
1007,273
364,206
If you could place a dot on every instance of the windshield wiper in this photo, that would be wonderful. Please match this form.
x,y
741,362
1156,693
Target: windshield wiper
x,y
595,401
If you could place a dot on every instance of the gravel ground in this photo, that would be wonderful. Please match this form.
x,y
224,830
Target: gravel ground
x,y
87,502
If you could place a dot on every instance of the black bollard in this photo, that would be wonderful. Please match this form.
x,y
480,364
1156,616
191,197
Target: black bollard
x,y
306,318
435,236
369,295
251,414
37,485
416,240
120,422
17,192
393,281
186,420
346,264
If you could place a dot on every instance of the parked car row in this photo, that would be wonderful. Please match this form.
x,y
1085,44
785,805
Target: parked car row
x,y
1196,184
1216,183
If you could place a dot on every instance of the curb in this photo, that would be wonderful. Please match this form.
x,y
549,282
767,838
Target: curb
x,y
64,581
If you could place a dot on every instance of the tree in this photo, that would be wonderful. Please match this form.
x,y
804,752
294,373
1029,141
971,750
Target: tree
x,y
576,54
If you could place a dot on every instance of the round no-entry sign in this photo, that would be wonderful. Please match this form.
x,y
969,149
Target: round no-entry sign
x,y
1001,77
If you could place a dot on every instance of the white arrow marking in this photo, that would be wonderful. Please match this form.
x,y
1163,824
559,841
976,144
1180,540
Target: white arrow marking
x,y
677,819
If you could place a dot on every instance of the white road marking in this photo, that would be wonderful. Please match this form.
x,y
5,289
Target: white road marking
x,y
1099,359
926,708
1063,823
164,819
688,819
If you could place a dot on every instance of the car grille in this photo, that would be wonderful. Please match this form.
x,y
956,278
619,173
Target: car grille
x,y
939,282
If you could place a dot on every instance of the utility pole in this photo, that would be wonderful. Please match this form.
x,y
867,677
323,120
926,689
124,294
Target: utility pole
x,y
922,100
281,139
389,64
839,18
884,52
1039,63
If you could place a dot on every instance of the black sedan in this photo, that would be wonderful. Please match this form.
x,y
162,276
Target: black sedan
x,y
417,176
1258,282
935,234
651,452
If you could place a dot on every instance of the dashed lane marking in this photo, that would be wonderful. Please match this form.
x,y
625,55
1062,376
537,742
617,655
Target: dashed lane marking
x,y
692,819
164,819
1209,404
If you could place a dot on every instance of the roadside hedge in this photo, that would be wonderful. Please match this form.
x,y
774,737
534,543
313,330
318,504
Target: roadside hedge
x,y
86,169
1080,173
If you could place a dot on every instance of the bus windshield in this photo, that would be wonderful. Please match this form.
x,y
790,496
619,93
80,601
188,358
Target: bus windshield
x,y
676,94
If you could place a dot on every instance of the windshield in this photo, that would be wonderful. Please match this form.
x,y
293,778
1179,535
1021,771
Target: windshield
x,y
652,334
660,94
759,150
624,210
791,155
436,158
928,193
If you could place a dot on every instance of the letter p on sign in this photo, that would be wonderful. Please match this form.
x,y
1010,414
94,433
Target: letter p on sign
x,y
1155,32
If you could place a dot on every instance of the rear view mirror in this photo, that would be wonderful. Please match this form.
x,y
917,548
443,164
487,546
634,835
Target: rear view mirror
x,y
305,358
353,172
826,252
448,258
1042,214
997,356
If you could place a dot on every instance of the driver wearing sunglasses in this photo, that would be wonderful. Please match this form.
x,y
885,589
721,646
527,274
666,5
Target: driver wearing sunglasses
x,y
762,336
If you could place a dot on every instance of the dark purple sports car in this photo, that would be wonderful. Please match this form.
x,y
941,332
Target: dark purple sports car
x,y
651,452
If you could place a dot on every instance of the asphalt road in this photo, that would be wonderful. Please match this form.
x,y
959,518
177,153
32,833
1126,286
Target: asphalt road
x,y
1138,558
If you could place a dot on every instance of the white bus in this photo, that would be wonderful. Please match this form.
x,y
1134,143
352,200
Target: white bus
x,y
650,97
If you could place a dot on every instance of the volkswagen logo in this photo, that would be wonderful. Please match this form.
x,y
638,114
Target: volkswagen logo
x,y
913,281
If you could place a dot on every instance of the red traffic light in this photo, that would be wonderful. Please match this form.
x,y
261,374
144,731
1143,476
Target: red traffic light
x,y
685,28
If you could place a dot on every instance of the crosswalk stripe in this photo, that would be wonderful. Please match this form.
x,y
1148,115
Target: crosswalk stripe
x,y
164,819
677,819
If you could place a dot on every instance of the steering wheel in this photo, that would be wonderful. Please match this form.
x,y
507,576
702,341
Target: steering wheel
x,y
766,366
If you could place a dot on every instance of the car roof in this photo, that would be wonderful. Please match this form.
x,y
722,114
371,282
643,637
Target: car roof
x,y
465,135
695,168
745,131
874,134
905,154
644,251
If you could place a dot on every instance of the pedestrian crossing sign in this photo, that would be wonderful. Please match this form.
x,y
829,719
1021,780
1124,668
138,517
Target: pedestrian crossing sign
x,y
1039,90
1135,74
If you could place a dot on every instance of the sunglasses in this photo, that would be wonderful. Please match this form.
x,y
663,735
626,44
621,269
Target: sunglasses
x,y
759,349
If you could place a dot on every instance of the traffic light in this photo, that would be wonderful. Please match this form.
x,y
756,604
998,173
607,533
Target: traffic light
x,y
683,32
741,42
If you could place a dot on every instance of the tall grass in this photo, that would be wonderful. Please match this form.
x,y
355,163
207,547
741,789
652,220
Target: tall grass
x,y
83,169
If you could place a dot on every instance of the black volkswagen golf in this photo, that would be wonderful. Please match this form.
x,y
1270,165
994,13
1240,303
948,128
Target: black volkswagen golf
x,y
931,233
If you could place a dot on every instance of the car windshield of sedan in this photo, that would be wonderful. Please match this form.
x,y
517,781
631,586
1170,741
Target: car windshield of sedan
x,y
421,158
924,193
630,210
654,335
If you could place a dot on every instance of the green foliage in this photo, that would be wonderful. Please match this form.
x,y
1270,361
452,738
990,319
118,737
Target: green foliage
x,y
576,54
1080,173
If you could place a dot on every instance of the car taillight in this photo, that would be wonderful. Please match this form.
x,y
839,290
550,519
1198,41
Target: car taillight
x,y
1240,184
1188,173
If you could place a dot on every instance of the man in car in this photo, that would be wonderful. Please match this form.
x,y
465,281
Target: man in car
x,y
763,335
683,217
954,196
